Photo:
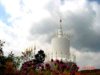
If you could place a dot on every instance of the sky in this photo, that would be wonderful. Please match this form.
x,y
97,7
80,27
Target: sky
x,y
25,23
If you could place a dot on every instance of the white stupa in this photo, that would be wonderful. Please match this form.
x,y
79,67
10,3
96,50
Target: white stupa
x,y
60,45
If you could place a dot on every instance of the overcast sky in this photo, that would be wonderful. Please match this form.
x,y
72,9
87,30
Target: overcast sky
x,y
25,23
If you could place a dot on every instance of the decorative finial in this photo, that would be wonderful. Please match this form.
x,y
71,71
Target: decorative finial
x,y
60,20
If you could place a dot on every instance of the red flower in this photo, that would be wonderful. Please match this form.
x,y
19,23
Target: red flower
x,y
47,66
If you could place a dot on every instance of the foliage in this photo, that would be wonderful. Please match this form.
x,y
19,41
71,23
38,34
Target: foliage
x,y
1,44
40,56
16,59
27,55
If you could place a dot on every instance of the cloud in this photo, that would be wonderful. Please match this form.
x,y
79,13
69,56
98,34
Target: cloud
x,y
98,1
89,59
22,15
84,36
81,22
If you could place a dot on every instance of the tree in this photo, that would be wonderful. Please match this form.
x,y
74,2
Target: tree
x,y
2,58
16,59
40,56
1,45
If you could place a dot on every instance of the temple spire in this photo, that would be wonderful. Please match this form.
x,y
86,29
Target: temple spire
x,y
60,31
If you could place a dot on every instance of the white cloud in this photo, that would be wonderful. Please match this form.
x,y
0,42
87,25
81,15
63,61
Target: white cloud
x,y
73,5
23,15
20,8
96,24
12,7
